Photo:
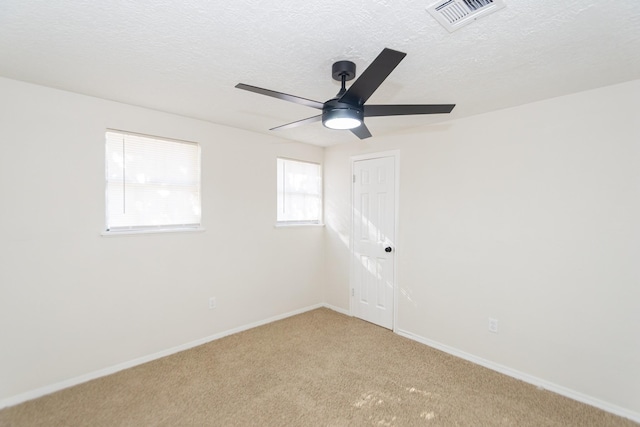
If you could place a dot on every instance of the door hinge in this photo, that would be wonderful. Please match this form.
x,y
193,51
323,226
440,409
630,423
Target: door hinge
x,y
353,292
354,178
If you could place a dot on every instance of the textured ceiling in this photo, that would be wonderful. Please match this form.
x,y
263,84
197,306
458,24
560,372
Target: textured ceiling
x,y
186,56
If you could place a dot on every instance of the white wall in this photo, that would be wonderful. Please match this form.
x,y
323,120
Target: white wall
x,y
73,302
530,215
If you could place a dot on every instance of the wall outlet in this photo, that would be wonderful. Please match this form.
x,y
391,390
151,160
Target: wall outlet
x,y
493,325
212,303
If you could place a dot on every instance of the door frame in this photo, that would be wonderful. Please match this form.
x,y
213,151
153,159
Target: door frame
x,y
395,154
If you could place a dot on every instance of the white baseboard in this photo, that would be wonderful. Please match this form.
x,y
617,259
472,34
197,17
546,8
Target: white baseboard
x,y
547,385
48,389
33,394
337,309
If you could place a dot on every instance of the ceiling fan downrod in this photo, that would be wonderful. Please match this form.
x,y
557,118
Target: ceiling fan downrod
x,y
343,71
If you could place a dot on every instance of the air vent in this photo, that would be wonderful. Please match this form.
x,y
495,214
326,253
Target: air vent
x,y
453,14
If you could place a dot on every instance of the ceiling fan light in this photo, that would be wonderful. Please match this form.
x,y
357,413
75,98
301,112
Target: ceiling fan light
x,y
343,118
342,123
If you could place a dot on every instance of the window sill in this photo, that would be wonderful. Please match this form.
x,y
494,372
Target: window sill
x,y
298,224
158,231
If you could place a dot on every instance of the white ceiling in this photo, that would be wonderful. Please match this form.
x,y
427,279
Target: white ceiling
x,y
186,56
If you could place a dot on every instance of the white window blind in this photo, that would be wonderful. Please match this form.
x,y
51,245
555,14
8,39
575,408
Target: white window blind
x,y
152,184
299,192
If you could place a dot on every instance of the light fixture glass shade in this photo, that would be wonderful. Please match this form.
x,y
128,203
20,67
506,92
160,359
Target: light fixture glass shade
x,y
343,118
342,123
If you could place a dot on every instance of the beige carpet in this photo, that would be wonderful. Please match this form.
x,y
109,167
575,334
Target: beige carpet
x,y
320,368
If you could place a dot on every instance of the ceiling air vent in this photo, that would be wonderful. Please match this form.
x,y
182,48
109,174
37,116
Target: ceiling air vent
x,y
453,14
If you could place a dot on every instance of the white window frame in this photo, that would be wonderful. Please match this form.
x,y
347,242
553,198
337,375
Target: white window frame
x,y
279,190
148,227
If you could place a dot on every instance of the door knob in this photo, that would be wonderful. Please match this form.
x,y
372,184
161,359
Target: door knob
x,y
388,249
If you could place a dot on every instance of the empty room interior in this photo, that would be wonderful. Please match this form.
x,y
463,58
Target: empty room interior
x,y
461,177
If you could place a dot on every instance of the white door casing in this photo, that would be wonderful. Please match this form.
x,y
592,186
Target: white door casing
x,y
373,237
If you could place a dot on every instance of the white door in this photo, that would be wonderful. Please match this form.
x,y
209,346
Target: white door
x,y
374,240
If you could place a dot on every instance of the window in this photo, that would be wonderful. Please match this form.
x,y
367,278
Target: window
x,y
152,184
299,192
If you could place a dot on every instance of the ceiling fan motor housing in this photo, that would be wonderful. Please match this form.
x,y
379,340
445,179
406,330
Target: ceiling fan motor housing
x,y
335,111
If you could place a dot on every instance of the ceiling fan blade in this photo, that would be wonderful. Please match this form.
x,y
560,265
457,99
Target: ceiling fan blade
x,y
291,98
403,110
373,76
299,123
361,131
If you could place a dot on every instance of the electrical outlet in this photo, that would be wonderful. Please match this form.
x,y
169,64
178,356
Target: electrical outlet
x,y
212,303
493,325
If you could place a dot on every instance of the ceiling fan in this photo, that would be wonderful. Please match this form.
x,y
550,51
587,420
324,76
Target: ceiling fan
x,y
347,109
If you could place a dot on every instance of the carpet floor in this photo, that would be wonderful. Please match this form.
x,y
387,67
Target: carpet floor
x,y
320,368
